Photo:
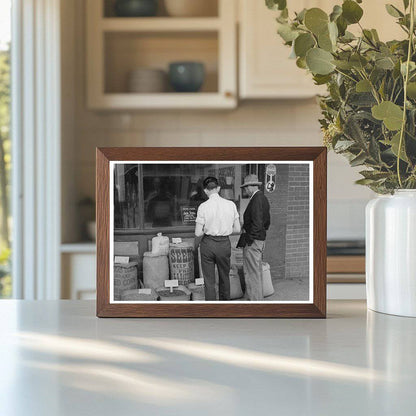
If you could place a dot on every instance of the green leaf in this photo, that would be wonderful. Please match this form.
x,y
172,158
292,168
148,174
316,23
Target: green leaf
x,y
358,160
336,12
358,61
411,90
286,32
301,16
325,42
375,35
301,63
343,65
412,67
321,79
364,181
374,150
343,145
351,11
368,36
385,63
394,145
391,114
393,11
342,25
363,86
406,4
333,32
347,37
303,43
316,20
319,61
375,175
276,4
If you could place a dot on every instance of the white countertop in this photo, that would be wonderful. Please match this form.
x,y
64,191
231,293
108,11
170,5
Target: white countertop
x,y
58,359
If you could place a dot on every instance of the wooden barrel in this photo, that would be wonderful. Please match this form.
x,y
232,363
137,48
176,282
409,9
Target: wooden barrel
x,y
198,292
125,278
181,260
155,270
136,295
180,293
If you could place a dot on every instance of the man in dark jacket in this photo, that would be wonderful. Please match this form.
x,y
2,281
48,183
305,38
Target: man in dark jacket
x,y
256,224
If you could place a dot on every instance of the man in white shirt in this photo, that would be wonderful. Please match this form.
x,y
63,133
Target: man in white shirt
x,y
216,220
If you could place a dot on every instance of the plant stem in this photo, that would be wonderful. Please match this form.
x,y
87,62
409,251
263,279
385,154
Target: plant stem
x,y
346,75
406,80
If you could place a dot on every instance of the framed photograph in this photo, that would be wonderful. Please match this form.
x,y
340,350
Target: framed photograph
x,y
211,232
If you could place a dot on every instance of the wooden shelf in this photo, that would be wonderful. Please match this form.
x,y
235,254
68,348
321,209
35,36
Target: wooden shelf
x,y
346,264
159,24
80,247
163,101
116,46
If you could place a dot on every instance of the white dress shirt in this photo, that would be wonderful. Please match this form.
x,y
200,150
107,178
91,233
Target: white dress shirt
x,y
217,216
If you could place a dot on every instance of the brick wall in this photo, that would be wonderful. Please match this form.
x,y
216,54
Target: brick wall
x,y
297,229
275,251
287,244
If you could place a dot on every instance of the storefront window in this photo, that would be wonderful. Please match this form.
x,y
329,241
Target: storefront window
x,y
126,196
149,196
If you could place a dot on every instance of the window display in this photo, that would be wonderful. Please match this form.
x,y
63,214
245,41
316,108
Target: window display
x,y
171,196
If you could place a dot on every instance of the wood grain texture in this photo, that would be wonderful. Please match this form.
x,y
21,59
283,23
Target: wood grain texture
x,y
317,309
346,264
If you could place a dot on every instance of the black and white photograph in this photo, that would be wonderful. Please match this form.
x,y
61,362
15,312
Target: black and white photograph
x,y
211,231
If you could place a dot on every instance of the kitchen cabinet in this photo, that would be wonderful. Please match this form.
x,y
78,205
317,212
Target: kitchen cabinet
x,y
116,46
265,70
78,263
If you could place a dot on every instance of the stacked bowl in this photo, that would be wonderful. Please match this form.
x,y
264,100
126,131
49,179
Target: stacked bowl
x,y
147,80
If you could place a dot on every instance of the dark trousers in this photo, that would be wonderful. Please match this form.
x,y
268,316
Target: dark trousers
x,y
216,251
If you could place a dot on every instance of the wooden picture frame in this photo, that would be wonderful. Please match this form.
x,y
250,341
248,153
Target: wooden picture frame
x,y
315,308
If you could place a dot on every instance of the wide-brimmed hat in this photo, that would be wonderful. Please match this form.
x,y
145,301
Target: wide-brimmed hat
x,y
251,180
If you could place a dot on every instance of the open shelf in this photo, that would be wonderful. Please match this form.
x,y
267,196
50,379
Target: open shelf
x,y
116,46
127,51
160,24
210,9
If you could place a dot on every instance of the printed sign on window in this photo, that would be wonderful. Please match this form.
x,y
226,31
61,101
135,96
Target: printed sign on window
x,y
188,215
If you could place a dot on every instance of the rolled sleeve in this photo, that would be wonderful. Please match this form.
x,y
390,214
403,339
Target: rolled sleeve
x,y
200,216
236,214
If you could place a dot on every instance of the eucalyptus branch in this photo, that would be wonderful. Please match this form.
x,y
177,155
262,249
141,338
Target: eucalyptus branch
x,y
406,80
345,75
373,89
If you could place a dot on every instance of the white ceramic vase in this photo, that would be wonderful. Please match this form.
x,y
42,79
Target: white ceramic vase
x,y
391,253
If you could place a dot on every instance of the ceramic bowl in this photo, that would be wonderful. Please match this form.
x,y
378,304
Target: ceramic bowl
x,y
186,76
136,8
191,8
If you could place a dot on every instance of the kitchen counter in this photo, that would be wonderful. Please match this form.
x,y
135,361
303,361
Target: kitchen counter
x,y
58,359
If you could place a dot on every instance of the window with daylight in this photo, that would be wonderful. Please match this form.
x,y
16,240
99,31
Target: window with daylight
x,y
5,145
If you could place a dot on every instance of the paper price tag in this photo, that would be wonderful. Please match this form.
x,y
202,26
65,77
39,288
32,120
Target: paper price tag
x,y
171,284
200,281
121,259
145,291
176,240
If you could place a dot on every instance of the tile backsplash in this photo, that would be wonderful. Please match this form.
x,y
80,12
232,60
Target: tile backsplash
x,y
285,123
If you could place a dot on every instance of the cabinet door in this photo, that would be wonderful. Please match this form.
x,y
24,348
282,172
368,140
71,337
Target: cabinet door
x,y
265,68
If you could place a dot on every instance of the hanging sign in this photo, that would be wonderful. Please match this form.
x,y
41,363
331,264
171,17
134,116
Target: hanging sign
x,y
270,178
